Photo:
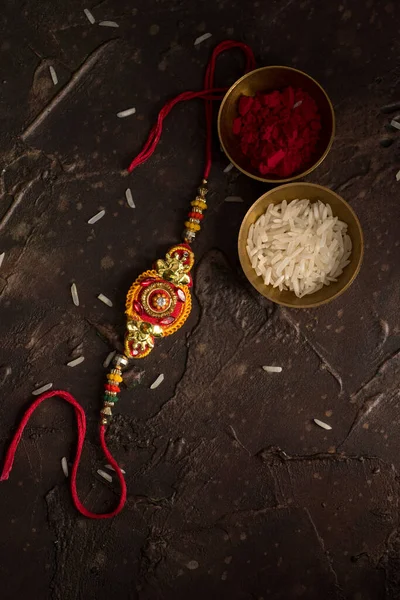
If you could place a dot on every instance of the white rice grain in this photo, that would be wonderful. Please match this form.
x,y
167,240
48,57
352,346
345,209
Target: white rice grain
x,y
322,424
157,382
3,255
297,103
108,24
76,361
105,300
64,466
109,358
202,38
272,369
228,168
395,124
53,75
126,113
97,217
89,16
74,294
104,475
397,179
112,469
129,198
298,246
42,389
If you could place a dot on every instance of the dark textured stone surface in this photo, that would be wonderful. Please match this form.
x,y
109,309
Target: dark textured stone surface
x,y
233,491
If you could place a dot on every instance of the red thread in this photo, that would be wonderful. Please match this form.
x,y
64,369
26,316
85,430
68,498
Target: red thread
x,y
81,422
209,93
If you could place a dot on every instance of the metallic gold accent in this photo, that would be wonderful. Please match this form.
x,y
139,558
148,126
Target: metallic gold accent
x,y
110,404
106,410
120,361
104,421
173,269
141,335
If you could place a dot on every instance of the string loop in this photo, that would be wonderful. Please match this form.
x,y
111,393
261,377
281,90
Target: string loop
x,y
208,94
81,425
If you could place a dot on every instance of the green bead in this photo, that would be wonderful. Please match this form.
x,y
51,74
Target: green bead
x,y
109,398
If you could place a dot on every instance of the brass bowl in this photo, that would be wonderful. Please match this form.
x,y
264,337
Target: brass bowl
x,y
340,209
268,79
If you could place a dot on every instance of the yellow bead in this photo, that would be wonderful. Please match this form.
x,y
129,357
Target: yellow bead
x,y
200,203
192,226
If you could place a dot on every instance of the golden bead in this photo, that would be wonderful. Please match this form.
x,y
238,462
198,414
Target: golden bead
x,y
104,421
202,191
106,410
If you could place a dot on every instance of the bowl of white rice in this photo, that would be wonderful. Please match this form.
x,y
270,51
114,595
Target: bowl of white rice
x,y
301,245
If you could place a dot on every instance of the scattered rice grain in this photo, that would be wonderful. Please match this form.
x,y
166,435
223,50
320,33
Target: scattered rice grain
x,y
395,124
202,38
97,217
64,466
228,168
89,15
42,389
129,198
126,113
76,361
109,359
111,468
322,424
272,369
3,254
53,75
104,299
105,475
74,294
108,24
157,382
298,104
397,179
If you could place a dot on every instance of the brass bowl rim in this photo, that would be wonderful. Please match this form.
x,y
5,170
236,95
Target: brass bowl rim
x,y
242,250
293,177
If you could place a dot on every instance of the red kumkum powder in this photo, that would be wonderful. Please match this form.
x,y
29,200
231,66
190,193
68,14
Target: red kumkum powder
x,y
278,131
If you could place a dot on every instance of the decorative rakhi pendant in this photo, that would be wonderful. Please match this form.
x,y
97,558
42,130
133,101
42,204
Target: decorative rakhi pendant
x,y
159,302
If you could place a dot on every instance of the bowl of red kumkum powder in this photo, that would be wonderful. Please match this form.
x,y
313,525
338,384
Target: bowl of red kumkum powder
x,y
276,124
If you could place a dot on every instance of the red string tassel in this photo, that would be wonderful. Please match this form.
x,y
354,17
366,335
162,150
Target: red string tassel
x,y
81,422
208,94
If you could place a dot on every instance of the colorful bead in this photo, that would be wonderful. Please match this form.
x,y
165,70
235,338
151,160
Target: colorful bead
x,y
119,361
112,388
199,203
192,226
113,377
109,398
189,236
196,215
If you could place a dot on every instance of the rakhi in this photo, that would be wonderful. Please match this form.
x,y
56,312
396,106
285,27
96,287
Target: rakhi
x,y
158,302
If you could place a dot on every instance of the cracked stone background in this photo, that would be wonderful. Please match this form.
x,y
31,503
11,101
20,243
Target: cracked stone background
x,y
233,491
